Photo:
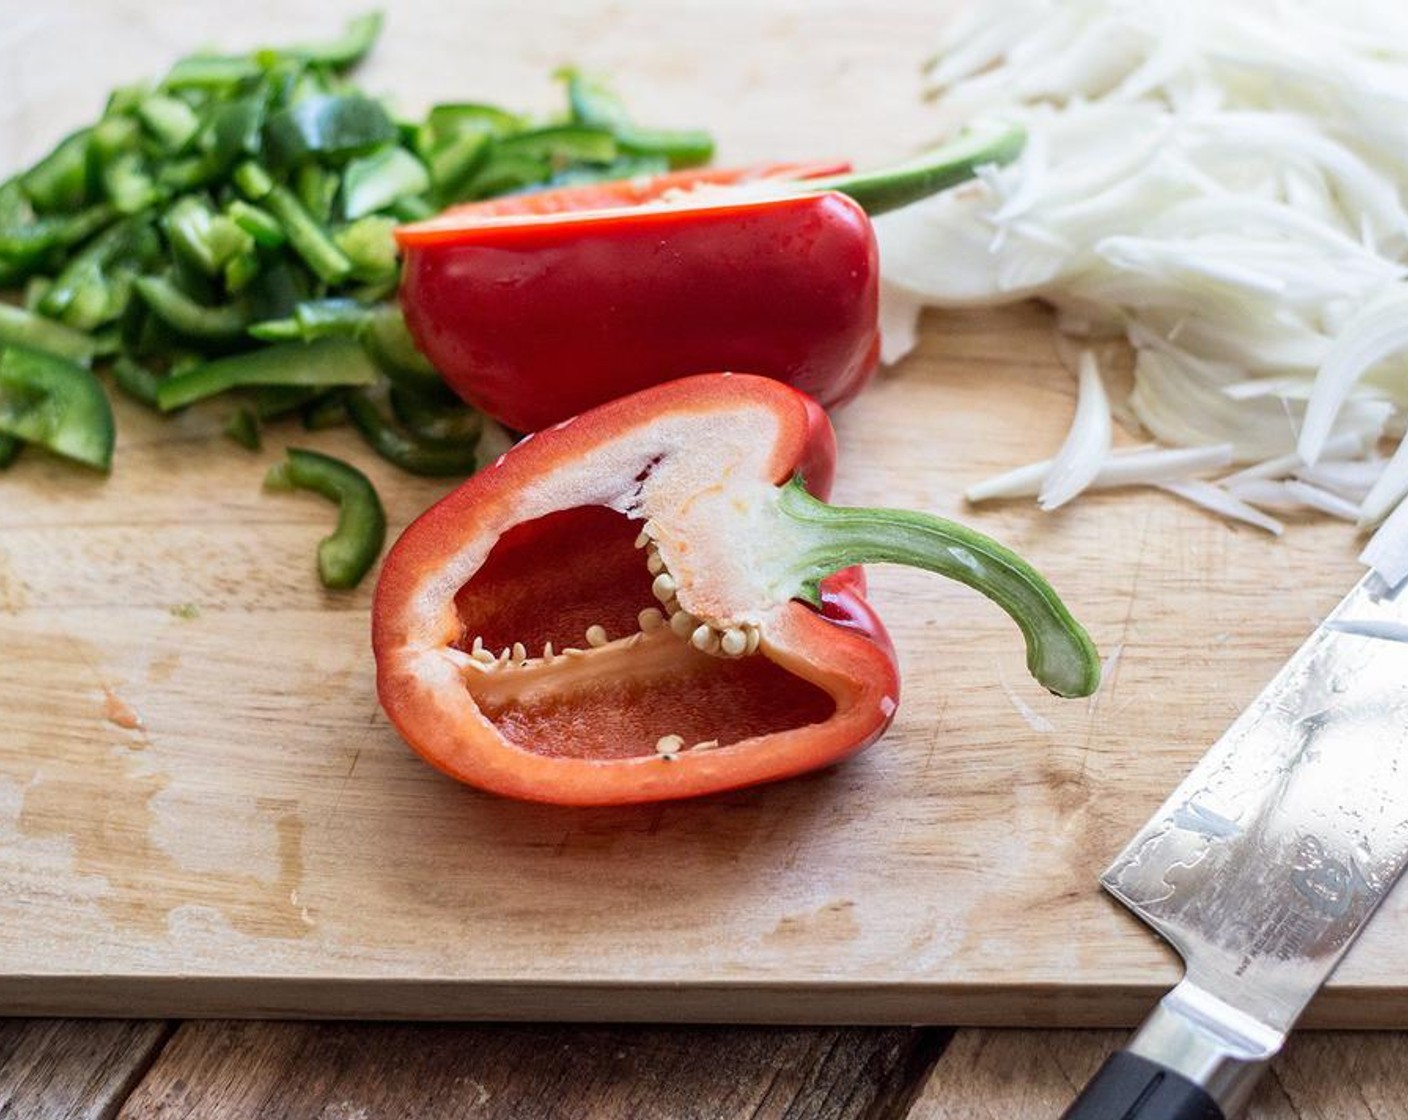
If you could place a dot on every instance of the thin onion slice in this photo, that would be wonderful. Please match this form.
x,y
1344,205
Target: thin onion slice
x,y
1127,467
1218,500
1087,445
1379,331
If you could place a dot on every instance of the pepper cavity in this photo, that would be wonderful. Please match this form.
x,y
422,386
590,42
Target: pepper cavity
x,y
729,640
575,642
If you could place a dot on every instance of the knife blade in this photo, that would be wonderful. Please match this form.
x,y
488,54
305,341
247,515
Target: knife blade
x,y
1265,864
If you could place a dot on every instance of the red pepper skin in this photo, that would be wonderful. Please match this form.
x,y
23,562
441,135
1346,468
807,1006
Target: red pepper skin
x,y
427,586
536,320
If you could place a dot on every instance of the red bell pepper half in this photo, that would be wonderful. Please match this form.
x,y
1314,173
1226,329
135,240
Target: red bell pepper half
x,y
653,601
538,306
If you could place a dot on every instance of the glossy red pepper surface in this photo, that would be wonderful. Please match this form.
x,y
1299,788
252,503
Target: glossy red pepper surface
x,y
538,307
546,545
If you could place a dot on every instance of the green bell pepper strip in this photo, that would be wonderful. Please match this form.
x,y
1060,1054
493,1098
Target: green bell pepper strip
x,y
308,239
431,458
560,144
216,72
317,318
253,180
57,404
442,418
83,294
349,552
9,450
327,363
136,380
389,342
452,119
37,245
331,126
213,72
242,426
316,187
61,181
453,163
370,245
203,238
596,106
26,328
347,49
185,316
326,411
257,222
169,120
377,180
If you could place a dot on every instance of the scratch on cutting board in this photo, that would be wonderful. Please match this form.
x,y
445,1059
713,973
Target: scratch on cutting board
x,y
1035,720
1109,675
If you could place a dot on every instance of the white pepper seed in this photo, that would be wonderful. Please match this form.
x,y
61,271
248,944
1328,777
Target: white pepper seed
x,y
664,587
705,638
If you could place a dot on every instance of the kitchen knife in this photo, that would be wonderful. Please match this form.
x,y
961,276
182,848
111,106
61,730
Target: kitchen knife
x,y
1265,864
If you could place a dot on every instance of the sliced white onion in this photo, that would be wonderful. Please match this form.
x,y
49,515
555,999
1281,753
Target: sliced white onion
x,y
1129,467
1289,495
1387,550
1388,489
1087,444
1350,480
1323,500
1222,182
1218,500
1377,332
899,322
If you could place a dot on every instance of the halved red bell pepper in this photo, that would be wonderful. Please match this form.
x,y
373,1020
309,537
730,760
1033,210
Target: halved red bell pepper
x,y
652,601
538,306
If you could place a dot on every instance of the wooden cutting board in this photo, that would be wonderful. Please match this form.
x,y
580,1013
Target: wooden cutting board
x,y
202,810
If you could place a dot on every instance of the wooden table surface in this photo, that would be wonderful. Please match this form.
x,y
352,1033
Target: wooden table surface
x,y
214,1070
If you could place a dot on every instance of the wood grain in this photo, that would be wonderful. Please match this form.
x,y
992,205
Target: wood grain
x,y
1012,1075
283,1071
256,840
66,1070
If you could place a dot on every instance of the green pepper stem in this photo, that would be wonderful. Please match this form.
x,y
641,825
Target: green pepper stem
x,y
935,170
1060,653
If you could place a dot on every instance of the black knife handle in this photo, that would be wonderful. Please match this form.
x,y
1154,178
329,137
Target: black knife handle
x,y
1130,1087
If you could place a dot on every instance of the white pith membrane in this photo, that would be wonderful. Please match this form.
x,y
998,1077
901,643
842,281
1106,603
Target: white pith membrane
x,y
671,615
1221,187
